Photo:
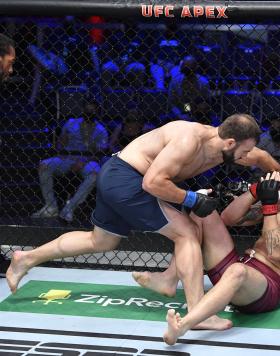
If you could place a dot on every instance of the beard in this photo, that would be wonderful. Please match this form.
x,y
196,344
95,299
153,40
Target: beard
x,y
228,156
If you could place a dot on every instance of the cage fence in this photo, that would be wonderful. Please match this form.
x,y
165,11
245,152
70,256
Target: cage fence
x,y
128,75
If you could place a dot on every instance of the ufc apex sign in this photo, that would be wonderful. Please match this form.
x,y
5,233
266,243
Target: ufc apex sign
x,y
195,11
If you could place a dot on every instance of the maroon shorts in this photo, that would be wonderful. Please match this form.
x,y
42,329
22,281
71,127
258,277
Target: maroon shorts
x,y
270,299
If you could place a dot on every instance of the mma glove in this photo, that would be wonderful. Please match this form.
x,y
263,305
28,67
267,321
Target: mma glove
x,y
267,192
200,204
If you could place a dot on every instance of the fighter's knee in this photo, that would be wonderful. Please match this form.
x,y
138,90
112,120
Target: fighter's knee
x,y
194,228
212,217
237,272
189,230
104,241
193,225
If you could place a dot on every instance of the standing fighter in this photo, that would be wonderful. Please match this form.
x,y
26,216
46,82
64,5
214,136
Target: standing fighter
x,y
7,58
134,189
250,282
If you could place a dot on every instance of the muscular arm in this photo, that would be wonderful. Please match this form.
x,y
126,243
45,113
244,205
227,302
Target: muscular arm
x,y
260,158
241,212
166,166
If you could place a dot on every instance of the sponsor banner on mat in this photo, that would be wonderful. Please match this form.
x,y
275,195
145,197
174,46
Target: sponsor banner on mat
x,y
114,301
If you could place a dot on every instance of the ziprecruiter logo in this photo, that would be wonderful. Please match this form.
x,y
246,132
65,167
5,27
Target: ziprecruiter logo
x,y
59,296
53,296
92,300
112,301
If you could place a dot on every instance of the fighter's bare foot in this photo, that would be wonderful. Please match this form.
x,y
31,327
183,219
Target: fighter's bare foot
x,y
157,282
18,268
214,323
178,327
174,329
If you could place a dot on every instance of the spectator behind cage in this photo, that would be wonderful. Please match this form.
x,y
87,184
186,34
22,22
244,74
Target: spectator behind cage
x,y
189,94
131,127
166,59
81,140
125,67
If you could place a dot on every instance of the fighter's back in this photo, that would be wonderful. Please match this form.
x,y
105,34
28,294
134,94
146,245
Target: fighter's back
x,y
141,152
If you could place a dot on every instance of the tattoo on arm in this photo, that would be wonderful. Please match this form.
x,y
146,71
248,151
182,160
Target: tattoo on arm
x,y
254,214
272,239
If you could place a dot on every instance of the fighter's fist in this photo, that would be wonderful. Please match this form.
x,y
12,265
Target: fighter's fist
x,y
201,204
267,192
205,205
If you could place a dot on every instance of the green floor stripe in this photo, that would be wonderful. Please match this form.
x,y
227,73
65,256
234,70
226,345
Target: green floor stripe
x,y
114,301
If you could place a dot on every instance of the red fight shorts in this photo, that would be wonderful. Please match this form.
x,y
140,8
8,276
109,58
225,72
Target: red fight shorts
x,y
270,299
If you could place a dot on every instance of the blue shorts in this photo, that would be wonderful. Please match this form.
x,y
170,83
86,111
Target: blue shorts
x,y
121,203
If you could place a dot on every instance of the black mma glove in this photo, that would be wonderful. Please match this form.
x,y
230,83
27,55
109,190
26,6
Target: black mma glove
x,y
267,192
200,204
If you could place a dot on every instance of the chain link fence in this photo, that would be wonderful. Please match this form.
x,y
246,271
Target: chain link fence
x,y
124,78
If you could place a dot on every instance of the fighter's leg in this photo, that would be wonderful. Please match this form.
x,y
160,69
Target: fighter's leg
x,y
185,234
163,282
240,284
188,258
217,242
70,244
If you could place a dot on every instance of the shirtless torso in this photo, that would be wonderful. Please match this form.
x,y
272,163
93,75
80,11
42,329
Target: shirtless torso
x,y
262,253
180,138
177,151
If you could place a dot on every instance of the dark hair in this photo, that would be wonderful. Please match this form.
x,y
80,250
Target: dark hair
x,y
6,44
240,127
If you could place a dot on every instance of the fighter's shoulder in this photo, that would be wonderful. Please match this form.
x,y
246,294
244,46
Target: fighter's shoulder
x,y
182,128
183,133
